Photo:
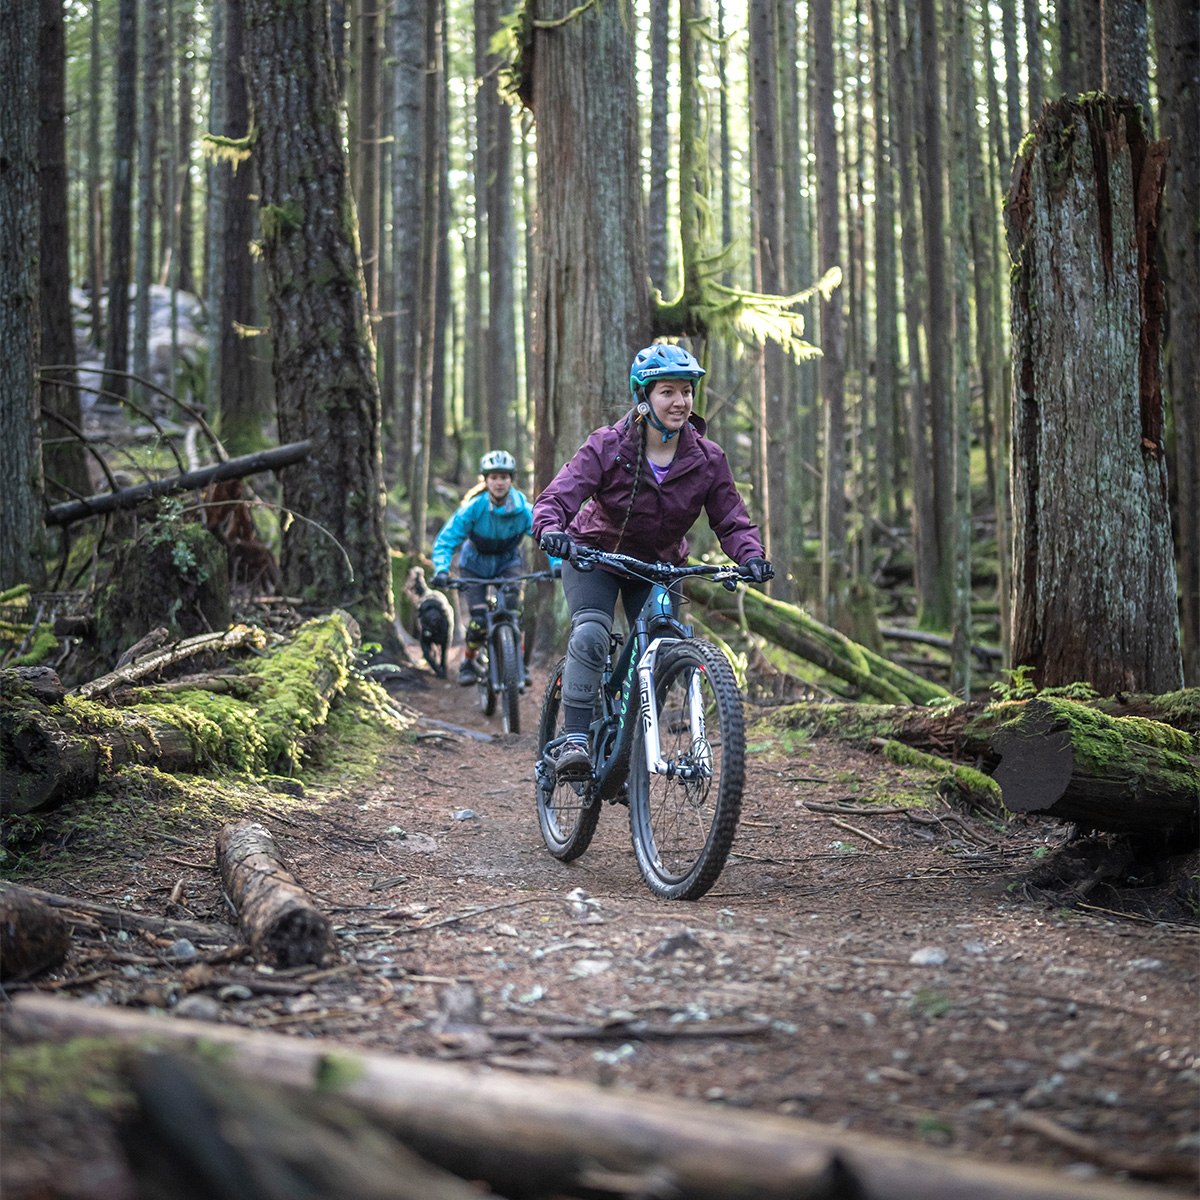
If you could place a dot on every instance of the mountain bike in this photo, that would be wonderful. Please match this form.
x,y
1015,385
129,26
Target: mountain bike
x,y
667,739
498,666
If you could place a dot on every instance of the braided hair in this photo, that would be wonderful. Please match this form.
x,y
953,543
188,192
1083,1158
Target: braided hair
x,y
638,469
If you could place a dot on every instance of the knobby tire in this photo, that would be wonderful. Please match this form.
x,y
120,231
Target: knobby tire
x,y
566,818
682,829
509,669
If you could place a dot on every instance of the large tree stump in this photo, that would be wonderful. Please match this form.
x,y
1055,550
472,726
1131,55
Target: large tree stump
x,y
1126,775
280,923
1093,563
33,938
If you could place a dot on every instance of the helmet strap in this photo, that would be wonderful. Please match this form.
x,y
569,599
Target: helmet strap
x,y
646,409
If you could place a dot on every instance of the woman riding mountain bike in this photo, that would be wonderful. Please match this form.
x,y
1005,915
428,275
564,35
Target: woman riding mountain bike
x,y
635,487
486,531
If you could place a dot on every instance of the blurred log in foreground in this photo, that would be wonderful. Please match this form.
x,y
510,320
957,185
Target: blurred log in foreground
x,y
527,1137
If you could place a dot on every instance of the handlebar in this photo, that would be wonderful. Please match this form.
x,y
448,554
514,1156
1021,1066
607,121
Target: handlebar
x,y
728,575
462,581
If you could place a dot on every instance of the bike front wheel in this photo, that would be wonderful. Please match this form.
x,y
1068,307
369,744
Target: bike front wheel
x,y
683,822
567,815
508,663
487,690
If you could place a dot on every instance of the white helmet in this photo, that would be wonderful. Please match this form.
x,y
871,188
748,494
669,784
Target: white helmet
x,y
497,460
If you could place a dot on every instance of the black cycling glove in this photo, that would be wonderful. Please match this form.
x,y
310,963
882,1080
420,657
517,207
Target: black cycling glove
x,y
557,544
441,579
758,569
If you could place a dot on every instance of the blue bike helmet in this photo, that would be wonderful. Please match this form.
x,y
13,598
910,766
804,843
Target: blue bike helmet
x,y
662,361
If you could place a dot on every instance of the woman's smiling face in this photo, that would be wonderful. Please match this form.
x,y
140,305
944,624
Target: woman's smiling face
x,y
672,402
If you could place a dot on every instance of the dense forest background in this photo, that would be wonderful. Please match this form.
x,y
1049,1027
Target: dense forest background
x,y
410,232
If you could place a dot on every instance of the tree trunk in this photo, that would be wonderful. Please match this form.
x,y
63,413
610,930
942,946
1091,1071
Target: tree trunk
x,y
370,21
1130,776
324,358
1012,73
1178,44
280,923
116,345
887,342
961,113
591,297
95,205
184,278
833,345
406,225
941,425
241,410
920,465
1095,594
33,938
1033,59
1125,50
660,144
63,457
502,318
426,305
1089,40
148,133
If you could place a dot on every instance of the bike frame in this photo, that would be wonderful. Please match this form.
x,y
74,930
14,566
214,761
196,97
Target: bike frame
x,y
654,628
498,613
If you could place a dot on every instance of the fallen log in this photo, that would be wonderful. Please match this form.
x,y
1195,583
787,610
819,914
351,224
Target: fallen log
x,y
546,1136
118,919
239,637
131,497
280,923
789,626
1126,775
33,938
56,752
198,1128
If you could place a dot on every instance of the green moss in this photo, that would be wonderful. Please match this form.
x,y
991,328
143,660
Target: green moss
x,y
973,786
54,1073
275,220
43,645
338,1071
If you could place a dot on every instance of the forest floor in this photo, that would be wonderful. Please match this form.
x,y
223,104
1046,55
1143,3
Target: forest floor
x,y
910,983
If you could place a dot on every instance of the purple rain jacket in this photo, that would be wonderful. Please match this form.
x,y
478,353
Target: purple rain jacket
x,y
589,496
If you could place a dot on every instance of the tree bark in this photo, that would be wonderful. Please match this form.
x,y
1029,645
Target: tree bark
x,y
280,923
833,342
185,279
409,84
150,32
22,535
591,298
1094,573
544,1136
660,159
33,938
1177,41
116,345
63,457
1125,50
241,409
95,204
1130,776
324,356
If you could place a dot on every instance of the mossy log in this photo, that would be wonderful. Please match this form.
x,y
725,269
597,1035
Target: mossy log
x,y
54,752
1126,775
280,923
33,937
789,626
528,1137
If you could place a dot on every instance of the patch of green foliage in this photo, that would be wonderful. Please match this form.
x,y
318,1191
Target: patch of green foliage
x,y
51,1074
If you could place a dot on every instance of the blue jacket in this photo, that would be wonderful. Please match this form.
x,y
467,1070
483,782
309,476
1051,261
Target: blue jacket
x,y
490,537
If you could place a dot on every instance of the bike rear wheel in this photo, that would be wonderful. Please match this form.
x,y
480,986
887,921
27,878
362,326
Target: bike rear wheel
x,y
683,823
567,815
509,670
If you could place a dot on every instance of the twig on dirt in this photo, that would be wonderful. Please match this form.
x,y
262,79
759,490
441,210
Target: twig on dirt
x,y
1149,1166
476,912
55,985
862,833
391,881
853,810
183,862
803,779
430,778
736,853
1165,926
624,1030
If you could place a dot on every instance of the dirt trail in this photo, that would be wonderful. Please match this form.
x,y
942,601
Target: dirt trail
x,y
905,988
